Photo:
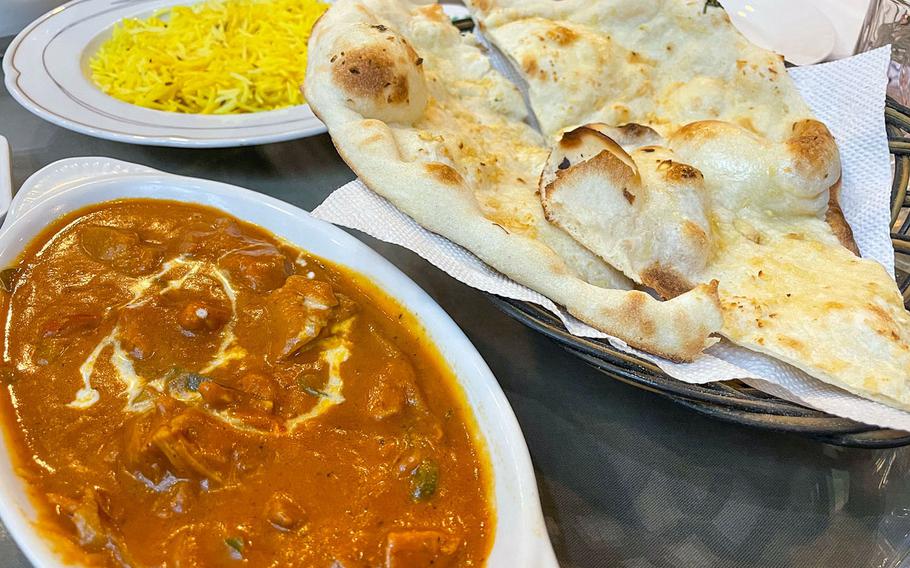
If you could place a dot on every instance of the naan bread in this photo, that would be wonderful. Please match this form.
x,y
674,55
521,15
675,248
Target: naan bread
x,y
416,110
717,202
719,172
659,63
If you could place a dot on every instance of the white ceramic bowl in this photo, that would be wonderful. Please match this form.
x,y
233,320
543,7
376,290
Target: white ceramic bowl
x,y
521,537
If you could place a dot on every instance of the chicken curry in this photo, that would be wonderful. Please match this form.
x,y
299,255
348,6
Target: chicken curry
x,y
185,389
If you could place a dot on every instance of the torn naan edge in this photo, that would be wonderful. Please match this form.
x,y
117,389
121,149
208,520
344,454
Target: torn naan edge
x,y
720,203
416,110
649,221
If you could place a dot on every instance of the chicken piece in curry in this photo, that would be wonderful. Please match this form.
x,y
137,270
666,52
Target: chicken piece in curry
x,y
185,389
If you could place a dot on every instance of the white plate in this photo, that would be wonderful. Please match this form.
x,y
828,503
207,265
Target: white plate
x,y
795,29
46,70
520,538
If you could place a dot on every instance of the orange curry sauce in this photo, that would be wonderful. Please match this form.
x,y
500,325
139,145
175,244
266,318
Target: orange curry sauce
x,y
184,389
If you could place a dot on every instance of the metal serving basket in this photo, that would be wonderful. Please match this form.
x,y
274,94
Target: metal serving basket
x,y
736,401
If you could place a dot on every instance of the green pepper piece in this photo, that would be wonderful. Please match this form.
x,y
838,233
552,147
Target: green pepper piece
x,y
424,480
236,546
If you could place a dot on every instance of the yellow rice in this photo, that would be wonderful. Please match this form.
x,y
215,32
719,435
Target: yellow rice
x,y
218,57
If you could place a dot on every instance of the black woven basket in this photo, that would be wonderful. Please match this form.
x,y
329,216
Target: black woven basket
x,y
736,401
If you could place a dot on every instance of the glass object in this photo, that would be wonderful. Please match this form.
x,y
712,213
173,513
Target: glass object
x,y
888,21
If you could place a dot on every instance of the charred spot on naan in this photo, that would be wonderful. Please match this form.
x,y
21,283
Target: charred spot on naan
x,y
573,138
561,35
791,343
379,73
678,172
814,150
694,232
691,345
529,64
632,134
434,12
482,5
636,131
665,280
586,141
834,216
370,72
629,136
635,312
882,322
636,58
444,173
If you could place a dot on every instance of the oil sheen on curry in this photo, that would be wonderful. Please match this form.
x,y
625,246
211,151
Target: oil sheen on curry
x,y
184,389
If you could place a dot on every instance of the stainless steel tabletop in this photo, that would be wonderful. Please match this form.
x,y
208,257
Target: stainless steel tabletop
x,y
626,477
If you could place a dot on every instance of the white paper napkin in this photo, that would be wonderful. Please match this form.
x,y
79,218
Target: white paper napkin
x,y
849,97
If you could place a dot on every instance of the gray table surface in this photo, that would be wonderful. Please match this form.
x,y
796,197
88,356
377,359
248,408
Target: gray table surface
x,y
626,477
